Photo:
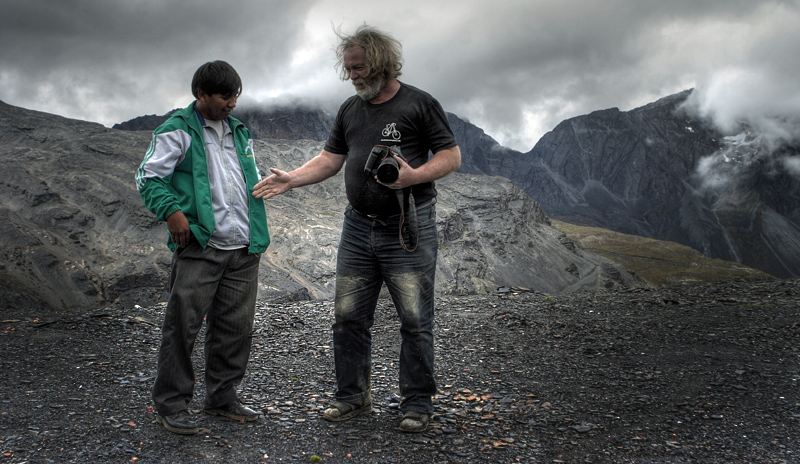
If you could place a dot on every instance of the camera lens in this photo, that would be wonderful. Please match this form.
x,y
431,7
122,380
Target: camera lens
x,y
388,171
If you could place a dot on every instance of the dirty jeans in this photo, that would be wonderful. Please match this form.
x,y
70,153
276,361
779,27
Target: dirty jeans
x,y
370,254
219,286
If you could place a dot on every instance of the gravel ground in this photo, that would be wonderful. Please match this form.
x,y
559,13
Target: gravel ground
x,y
707,373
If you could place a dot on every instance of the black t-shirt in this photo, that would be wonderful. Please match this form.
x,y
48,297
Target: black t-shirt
x,y
412,120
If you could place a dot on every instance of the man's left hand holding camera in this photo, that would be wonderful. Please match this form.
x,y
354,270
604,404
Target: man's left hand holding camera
x,y
441,164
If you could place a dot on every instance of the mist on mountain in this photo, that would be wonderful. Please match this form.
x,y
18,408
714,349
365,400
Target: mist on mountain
x,y
667,172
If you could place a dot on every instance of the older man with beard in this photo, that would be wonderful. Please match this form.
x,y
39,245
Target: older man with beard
x,y
389,232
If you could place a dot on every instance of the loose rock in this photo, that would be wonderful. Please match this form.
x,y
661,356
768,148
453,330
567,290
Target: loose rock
x,y
600,377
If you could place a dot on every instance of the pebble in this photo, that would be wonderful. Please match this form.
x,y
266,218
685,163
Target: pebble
x,y
521,375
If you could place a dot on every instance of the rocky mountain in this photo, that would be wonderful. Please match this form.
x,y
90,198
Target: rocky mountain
x,y
75,232
287,123
643,172
658,172
480,153
143,123
646,172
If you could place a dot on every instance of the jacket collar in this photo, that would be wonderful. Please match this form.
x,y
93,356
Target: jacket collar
x,y
196,121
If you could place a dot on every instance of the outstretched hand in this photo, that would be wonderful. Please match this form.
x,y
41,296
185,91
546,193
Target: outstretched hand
x,y
275,184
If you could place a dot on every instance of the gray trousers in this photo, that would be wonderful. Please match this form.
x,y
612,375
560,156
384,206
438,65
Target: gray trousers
x,y
220,286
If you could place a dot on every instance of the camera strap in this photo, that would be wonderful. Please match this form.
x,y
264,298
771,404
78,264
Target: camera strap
x,y
410,228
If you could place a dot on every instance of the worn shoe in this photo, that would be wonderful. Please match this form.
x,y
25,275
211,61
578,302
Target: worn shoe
x,y
339,411
181,422
414,422
234,411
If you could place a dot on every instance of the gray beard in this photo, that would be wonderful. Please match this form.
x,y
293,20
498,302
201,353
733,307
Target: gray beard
x,y
372,91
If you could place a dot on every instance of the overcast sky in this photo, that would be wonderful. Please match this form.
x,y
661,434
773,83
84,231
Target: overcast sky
x,y
515,68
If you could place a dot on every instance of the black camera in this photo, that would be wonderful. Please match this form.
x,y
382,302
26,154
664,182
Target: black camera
x,y
381,163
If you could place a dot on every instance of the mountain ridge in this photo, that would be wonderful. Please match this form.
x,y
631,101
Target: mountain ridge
x,y
79,235
639,172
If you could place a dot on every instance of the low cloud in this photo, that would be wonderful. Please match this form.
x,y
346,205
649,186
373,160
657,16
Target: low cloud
x,y
754,98
515,68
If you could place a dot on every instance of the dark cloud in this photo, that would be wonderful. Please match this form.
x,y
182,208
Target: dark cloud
x,y
112,60
515,68
540,62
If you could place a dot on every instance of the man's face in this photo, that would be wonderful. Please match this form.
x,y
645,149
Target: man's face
x,y
355,64
215,107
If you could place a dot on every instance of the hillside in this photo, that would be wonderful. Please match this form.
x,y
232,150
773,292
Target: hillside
x,y
659,172
658,262
77,235
656,171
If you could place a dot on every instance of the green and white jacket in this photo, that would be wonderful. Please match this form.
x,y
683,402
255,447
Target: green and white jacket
x,y
186,168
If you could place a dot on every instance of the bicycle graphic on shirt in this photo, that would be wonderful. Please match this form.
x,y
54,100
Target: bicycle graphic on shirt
x,y
391,131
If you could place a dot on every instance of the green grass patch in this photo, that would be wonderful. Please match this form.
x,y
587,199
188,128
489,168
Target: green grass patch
x,y
657,262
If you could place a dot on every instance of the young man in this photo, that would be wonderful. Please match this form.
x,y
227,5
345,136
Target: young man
x,y
197,176
375,246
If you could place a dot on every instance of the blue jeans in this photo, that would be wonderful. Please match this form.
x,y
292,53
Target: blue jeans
x,y
369,254
219,286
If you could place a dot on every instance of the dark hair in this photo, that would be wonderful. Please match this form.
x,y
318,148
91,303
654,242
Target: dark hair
x,y
383,53
216,77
